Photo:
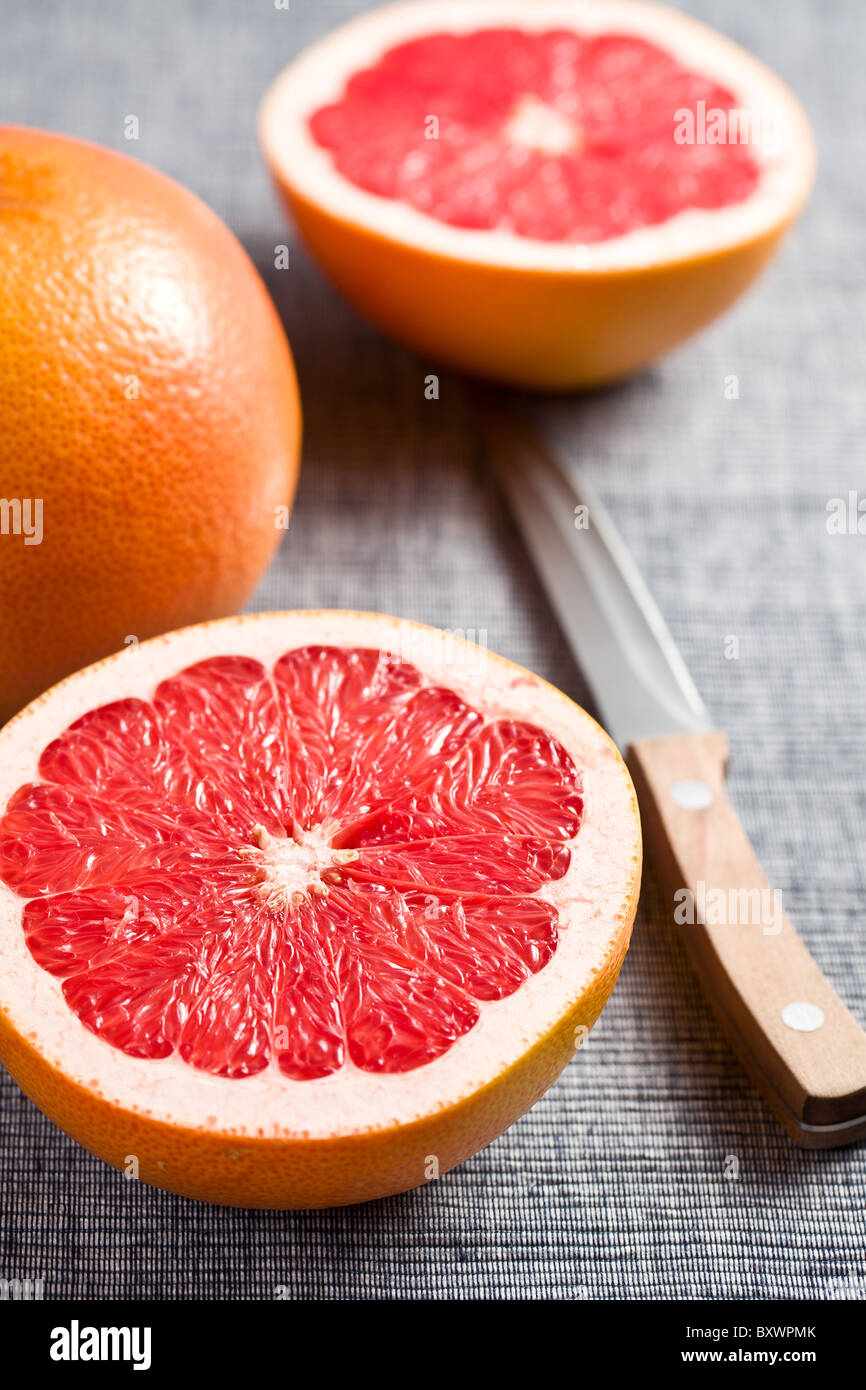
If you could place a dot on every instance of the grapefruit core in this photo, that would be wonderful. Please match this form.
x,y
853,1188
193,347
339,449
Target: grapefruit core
x,y
550,194
295,905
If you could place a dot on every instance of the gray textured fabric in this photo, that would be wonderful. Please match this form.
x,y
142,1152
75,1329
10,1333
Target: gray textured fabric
x,y
615,1183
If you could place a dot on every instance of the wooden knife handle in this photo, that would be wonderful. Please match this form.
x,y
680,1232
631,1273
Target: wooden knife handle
x,y
795,1037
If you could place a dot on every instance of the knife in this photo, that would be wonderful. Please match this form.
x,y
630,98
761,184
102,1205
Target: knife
x,y
795,1038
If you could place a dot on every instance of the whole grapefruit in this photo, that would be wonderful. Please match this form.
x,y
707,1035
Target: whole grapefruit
x,y
151,419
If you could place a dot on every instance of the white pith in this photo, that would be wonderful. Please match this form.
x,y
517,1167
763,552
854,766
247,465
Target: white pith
x,y
319,74
591,898
298,868
535,125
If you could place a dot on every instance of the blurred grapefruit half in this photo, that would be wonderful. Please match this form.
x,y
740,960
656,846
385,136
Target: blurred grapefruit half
x,y
301,909
550,194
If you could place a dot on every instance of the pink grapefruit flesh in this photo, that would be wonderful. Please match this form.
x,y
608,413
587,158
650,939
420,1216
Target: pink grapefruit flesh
x,y
305,882
552,135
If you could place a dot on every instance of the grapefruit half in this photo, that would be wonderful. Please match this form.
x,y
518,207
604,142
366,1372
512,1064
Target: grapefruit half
x,y
549,194
301,909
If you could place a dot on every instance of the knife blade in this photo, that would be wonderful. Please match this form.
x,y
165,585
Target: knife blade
x,y
794,1036
628,656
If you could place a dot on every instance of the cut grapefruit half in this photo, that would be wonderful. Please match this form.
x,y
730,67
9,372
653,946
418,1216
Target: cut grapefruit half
x,y
549,194
301,909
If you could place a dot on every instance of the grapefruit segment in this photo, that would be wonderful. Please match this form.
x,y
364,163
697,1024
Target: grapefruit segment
x,y
309,1034
69,932
333,703
278,867
486,946
398,1013
434,726
485,864
136,999
93,756
55,840
227,1030
222,715
549,194
507,776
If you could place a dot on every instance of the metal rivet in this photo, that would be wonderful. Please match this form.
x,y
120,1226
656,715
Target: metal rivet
x,y
802,1016
691,794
